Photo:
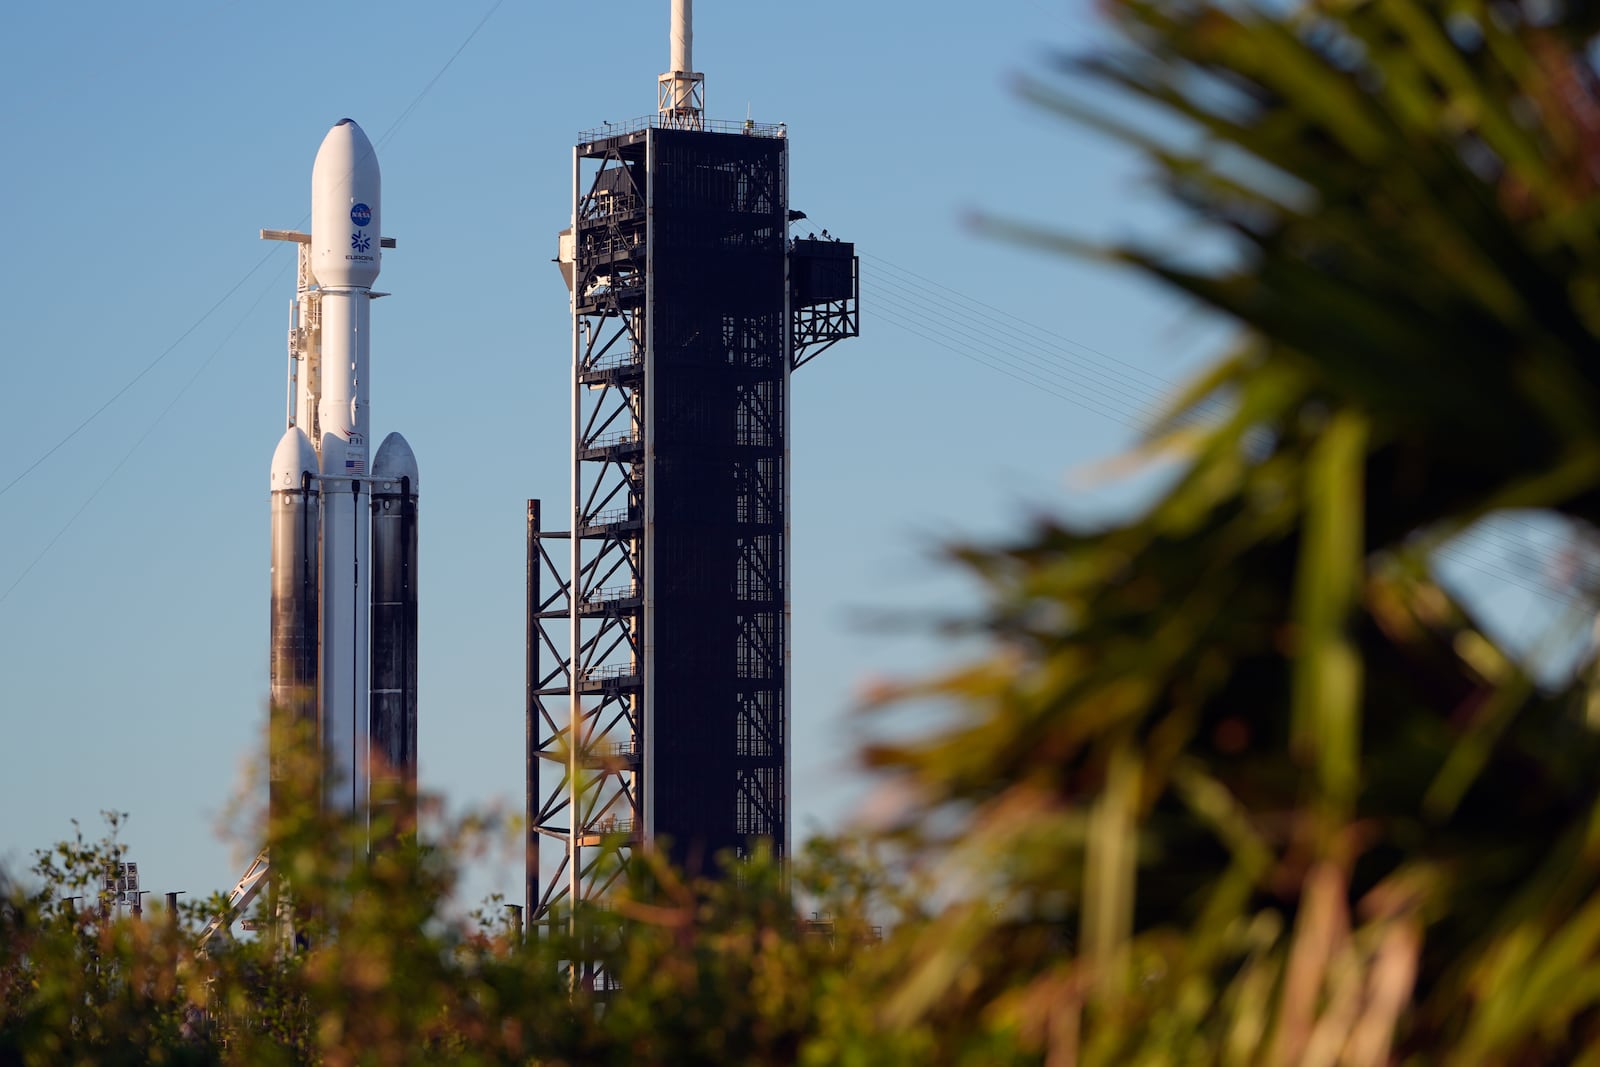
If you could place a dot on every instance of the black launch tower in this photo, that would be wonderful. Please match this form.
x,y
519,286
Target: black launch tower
x,y
659,618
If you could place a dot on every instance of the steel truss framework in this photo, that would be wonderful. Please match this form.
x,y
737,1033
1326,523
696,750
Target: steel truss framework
x,y
658,620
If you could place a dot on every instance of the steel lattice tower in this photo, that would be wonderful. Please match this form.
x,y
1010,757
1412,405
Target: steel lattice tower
x,y
658,620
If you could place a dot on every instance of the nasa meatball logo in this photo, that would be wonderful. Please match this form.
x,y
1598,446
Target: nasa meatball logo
x,y
361,215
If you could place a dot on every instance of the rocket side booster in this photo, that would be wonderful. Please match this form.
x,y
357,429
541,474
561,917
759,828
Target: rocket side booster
x,y
394,636
296,593
346,205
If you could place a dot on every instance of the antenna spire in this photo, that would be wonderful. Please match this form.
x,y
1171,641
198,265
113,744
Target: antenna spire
x,y
681,91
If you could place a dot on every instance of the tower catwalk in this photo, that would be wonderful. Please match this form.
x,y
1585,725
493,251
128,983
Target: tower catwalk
x,y
658,621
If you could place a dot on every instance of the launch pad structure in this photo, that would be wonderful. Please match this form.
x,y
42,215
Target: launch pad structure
x,y
658,688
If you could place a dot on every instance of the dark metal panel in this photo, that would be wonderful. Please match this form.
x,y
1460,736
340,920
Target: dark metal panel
x,y
295,628
825,282
717,247
393,712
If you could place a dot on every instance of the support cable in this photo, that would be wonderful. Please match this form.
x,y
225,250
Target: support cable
x,y
150,429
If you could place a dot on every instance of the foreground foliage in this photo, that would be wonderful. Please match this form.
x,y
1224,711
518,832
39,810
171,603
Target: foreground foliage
x,y
1244,785
715,972
1240,783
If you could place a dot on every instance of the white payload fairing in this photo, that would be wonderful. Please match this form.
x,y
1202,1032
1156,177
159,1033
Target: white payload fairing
x,y
340,660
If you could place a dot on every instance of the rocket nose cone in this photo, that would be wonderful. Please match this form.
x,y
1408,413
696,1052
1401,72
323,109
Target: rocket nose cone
x,y
346,209
293,457
394,461
347,138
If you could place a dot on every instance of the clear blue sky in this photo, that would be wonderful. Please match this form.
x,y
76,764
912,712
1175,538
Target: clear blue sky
x,y
145,148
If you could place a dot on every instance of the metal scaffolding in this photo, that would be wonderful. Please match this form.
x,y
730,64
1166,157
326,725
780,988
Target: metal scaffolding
x,y
658,666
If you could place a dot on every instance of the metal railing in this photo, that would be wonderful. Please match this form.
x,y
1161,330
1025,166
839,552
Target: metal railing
x,y
614,440
613,593
616,360
607,671
608,518
647,122
604,204
626,242
629,285
601,753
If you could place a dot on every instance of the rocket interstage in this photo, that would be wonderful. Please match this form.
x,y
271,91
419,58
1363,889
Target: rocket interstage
x,y
325,496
